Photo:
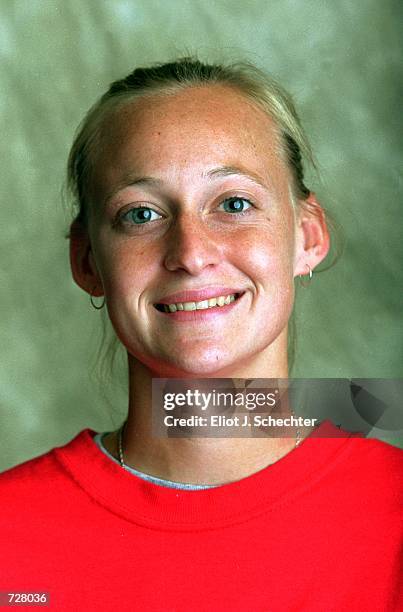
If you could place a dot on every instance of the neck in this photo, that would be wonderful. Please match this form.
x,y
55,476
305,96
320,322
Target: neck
x,y
196,460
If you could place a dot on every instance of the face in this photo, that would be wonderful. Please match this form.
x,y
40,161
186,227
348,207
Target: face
x,y
190,201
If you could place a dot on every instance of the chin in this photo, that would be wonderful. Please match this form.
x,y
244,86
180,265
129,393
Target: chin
x,y
208,365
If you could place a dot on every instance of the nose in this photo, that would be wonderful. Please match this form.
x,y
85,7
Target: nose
x,y
191,246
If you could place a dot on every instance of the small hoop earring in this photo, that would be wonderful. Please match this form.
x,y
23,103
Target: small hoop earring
x,y
94,305
310,274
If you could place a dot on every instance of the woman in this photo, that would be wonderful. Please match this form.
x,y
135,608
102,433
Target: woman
x,y
193,222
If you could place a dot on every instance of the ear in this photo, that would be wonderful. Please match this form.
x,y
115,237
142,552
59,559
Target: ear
x,y
312,236
82,262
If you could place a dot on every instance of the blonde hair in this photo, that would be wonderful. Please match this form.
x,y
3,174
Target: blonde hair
x,y
244,77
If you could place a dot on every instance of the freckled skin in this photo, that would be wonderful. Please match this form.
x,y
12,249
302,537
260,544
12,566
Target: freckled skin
x,y
193,242
176,138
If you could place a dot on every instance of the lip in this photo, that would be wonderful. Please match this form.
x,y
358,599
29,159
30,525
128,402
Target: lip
x,y
206,315
199,295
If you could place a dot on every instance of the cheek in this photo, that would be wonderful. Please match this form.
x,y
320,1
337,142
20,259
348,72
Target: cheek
x,y
126,269
267,255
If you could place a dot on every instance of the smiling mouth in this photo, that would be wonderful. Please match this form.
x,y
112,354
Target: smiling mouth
x,y
215,302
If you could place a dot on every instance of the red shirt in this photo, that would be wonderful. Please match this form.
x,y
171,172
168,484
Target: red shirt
x,y
320,530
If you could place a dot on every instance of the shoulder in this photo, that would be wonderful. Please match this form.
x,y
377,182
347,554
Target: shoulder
x,y
32,475
363,452
372,470
37,474
26,490
380,456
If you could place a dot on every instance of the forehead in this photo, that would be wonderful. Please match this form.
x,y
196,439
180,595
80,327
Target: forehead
x,y
188,131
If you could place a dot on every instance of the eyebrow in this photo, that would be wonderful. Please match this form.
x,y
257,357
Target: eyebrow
x,y
224,171
221,172
131,180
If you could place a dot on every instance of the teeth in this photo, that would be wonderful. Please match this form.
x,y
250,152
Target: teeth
x,y
203,305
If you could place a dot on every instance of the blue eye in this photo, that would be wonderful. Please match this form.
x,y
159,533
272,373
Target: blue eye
x,y
236,204
140,215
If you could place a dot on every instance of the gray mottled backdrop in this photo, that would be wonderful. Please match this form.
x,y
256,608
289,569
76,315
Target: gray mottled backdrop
x,y
339,58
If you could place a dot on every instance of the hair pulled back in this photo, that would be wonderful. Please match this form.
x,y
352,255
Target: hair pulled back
x,y
169,77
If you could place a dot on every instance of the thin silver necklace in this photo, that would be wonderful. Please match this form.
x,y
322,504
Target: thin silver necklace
x,y
123,427
120,438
